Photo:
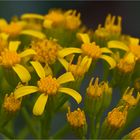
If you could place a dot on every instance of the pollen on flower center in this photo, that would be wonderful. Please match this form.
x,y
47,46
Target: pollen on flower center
x,y
91,50
46,50
48,85
9,58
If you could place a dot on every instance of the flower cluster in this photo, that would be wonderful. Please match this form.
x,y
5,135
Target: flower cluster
x,y
46,59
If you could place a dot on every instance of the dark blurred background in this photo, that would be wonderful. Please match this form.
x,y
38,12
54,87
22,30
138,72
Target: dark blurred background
x,y
93,12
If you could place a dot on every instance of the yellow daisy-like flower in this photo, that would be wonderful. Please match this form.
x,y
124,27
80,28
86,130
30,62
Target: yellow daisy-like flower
x,y
47,86
13,28
90,51
9,58
133,46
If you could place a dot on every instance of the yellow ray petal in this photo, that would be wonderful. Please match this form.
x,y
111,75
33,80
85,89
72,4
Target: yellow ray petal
x,y
134,41
109,60
40,105
13,45
27,52
83,37
67,51
22,72
72,93
66,77
47,23
117,45
32,16
106,50
86,60
25,90
48,70
4,36
33,33
38,68
64,63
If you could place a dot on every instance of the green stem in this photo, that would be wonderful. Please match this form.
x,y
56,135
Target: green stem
x,y
29,122
62,132
92,127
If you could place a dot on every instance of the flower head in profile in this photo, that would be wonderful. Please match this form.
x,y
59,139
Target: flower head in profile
x,y
90,51
10,58
13,28
47,86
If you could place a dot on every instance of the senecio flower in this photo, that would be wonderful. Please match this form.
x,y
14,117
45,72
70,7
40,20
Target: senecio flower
x,y
47,86
10,58
90,51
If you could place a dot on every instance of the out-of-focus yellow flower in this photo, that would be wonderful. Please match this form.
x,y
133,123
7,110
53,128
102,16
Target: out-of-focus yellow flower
x,y
34,21
13,28
54,18
52,87
9,58
11,104
72,21
110,28
127,63
117,117
90,51
129,99
3,41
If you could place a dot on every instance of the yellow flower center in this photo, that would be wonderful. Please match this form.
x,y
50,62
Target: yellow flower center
x,y
135,134
116,118
95,90
91,50
46,51
76,118
48,85
11,104
9,58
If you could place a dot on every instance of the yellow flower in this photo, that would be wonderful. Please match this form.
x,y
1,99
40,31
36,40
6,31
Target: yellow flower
x,y
11,104
54,18
9,58
127,63
46,50
133,46
76,118
52,87
135,134
117,117
72,21
79,69
129,99
3,41
90,51
110,28
13,28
